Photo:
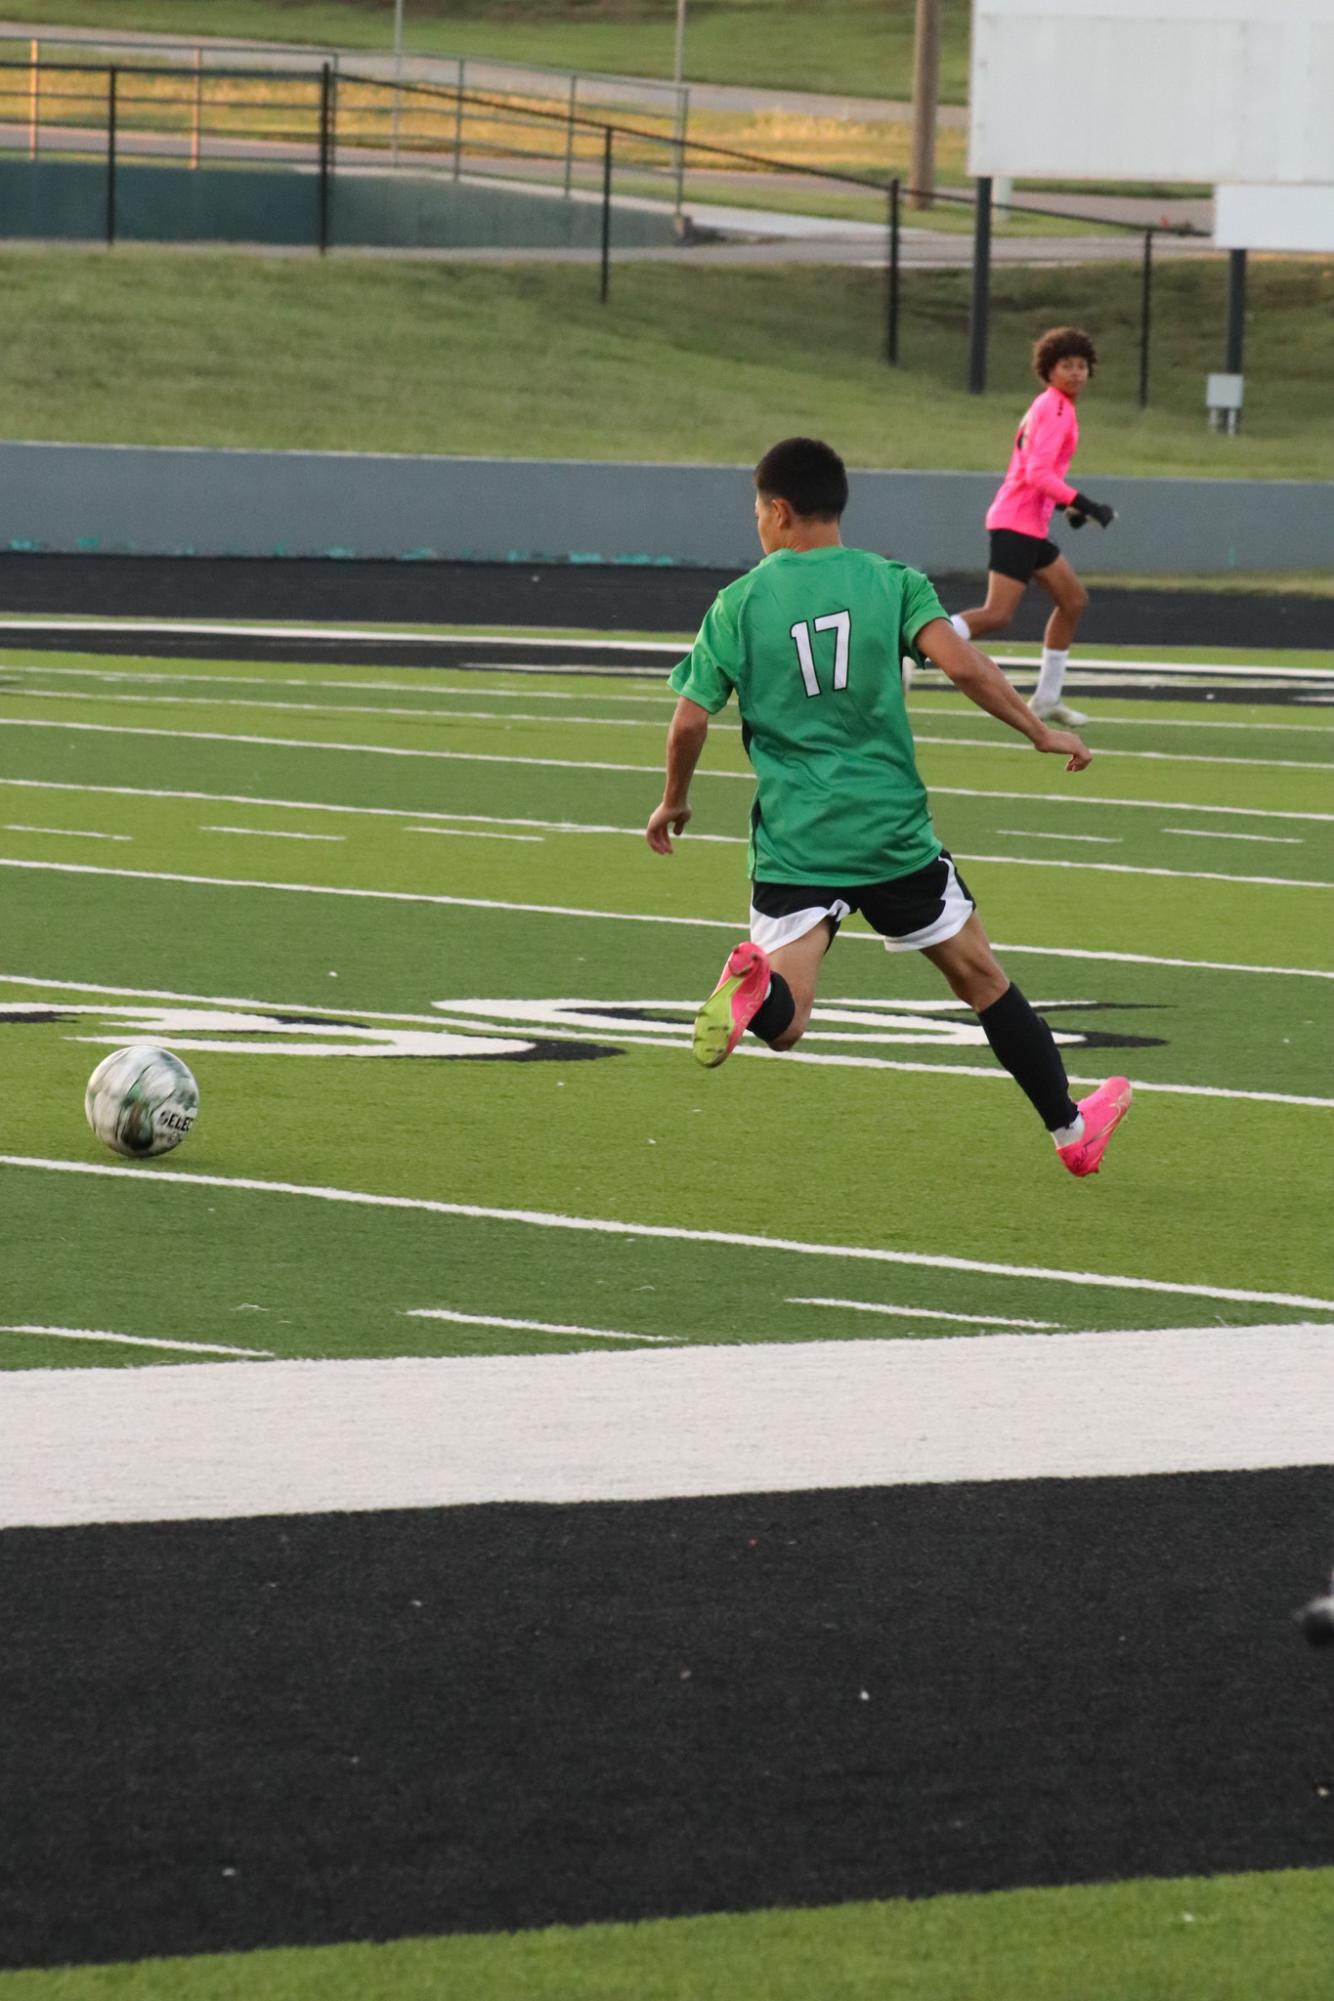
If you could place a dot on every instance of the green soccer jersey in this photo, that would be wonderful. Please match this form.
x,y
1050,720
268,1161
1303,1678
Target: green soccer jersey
x,y
812,642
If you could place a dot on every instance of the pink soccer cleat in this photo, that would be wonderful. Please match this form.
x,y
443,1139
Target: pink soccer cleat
x,y
1102,1113
732,1006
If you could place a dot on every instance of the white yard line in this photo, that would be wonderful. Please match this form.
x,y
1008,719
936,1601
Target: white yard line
x,y
426,684
601,1226
273,833
1007,744
566,719
1216,834
653,649
697,923
1079,801
1159,959
660,698
384,635
997,743
1031,834
355,749
134,1340
925,1313
618,916
476,834
530,1326
992,1073
1135,868
1207,720
84,1445
332,710
65,833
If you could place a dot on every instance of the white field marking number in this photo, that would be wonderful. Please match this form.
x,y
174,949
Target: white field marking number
x,y
839,622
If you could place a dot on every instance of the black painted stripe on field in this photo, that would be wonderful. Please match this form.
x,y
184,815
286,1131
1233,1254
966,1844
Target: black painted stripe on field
x,y
600,597
216,1736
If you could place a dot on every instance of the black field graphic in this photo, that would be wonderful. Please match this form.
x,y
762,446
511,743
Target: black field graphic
x,y
238,1734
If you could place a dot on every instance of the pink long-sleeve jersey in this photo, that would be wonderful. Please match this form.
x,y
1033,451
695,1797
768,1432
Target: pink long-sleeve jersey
x,y
1034,484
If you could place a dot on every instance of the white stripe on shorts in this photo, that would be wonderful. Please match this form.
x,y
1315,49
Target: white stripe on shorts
x,y
956,909
771,932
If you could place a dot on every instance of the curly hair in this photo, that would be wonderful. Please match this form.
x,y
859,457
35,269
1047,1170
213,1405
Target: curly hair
x,y
1056,344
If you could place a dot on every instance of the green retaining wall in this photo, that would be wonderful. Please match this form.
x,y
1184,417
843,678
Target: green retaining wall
x,y
67,199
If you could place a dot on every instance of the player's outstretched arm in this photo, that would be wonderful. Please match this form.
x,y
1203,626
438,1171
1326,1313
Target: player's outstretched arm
x,y
976,675
685,741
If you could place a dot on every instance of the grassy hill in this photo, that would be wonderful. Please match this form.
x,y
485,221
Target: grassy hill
x,y
685,363
860,46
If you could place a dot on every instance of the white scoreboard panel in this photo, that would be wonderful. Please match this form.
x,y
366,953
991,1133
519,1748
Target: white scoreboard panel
x,y
1274,218
1212,91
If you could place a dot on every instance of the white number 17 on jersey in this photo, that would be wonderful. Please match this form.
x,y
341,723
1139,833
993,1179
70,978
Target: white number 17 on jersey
x,y
839,622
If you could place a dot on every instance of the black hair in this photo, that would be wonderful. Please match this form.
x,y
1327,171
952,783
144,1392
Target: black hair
x,y
1056,344
808,474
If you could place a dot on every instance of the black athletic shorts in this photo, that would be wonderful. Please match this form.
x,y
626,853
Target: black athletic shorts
x,y
1017,556
910,911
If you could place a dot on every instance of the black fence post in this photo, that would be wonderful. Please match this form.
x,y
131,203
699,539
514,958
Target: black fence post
x,y
1145,316
892,326
326,110
1236,311
607,136
979,310
111,157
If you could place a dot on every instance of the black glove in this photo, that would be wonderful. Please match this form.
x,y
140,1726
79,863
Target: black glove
x,y
1094,510
1075,518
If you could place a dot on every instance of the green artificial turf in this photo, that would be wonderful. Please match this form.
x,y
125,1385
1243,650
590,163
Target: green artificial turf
x,y
682,365
1228,1937
864,47
508,902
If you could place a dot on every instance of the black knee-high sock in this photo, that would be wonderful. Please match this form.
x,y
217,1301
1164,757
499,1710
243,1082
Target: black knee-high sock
x,y
775,1011
1023,1043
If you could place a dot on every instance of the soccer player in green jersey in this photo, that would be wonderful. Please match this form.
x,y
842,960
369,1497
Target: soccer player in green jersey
x,y
811,641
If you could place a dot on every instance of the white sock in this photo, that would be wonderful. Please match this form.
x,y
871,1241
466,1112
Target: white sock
x,y
960,624
1069,1135
1051,676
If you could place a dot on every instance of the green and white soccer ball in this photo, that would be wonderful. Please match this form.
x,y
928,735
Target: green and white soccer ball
x,y
141,1101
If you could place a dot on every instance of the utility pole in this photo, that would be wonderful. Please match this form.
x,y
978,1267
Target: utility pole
x,y
398,73
925,98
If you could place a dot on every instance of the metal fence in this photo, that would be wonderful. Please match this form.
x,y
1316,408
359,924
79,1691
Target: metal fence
x,y
663,107
327,121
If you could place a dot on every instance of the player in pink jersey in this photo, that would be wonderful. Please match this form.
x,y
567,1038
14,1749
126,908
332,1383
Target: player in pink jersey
x,y
1035,485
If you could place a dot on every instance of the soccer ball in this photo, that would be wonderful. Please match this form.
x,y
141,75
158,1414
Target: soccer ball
x,y
141,1101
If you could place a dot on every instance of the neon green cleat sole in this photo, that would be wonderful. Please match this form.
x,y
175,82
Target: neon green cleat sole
x,y
733,1004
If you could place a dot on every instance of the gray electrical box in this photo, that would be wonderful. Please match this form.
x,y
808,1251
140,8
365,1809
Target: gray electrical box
x,y
1223,395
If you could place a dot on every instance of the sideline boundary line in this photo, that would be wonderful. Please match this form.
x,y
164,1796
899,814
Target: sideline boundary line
x,y
653,648
545,1219
135,1341
536,1326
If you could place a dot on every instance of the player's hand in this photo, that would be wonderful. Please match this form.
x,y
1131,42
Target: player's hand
x,y
1064,743
1094,510
663,822
1075,518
